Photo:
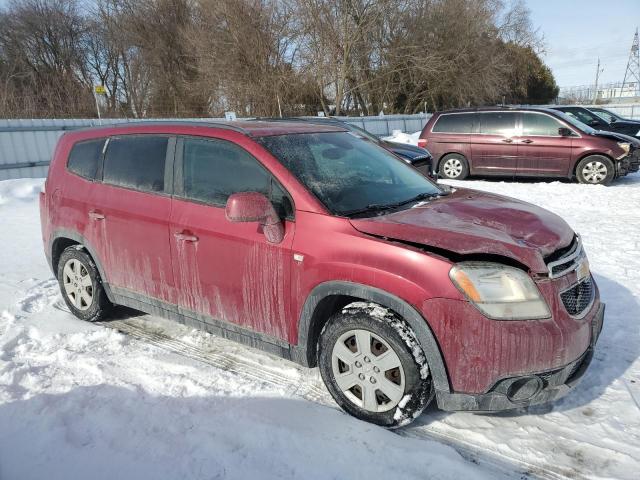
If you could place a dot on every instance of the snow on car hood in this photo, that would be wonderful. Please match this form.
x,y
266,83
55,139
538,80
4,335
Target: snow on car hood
x,y
471,222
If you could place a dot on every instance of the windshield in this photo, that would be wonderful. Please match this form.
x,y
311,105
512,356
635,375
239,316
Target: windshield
x,y
347,174
606,115
570,119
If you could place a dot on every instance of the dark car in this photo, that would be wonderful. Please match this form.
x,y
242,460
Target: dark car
x,y
418,157
528,142
612,117
586,116
320,247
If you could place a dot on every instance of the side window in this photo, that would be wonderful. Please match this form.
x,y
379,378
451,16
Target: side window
x,y
584,116
454,123
541,125
136,161
215,169
85,158
498,123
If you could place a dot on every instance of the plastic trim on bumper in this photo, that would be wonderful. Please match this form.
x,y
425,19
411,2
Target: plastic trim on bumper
x,y
552,384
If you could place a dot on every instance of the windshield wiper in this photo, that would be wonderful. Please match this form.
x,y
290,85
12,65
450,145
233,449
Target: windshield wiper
x,y
372,207
376,207
422,196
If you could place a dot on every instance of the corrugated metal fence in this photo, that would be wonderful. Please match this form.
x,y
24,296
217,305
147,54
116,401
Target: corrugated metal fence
x,y
26,145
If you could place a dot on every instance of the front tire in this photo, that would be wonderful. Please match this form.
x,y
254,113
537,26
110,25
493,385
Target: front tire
x,y
595,170
81,285
454,167
373,365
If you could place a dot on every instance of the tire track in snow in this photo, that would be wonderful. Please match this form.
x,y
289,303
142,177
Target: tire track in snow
x,y
303,384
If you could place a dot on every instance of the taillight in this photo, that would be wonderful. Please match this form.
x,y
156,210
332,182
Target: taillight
x,y
422,142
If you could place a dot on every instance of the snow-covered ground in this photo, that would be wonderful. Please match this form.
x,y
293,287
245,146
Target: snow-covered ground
x,y
80,400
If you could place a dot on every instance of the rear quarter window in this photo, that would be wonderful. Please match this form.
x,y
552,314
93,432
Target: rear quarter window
x,y
85,157
454,123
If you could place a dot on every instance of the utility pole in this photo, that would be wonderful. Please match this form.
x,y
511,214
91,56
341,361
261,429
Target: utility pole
x,y
595,93
632,73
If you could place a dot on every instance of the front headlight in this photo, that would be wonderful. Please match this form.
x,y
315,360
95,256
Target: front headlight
x,y
626,146
498,291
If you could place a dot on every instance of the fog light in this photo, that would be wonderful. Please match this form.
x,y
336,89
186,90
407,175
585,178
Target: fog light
x,y
524,388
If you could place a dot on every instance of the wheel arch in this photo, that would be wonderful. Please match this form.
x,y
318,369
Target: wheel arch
x,y
329,297
574,170
64,238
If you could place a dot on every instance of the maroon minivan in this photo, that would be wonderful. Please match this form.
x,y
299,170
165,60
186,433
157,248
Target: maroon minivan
x,y
526,142
315,245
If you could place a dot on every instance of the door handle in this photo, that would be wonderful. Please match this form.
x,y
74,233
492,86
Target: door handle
x,y
95,215
527,141
185,237
507,140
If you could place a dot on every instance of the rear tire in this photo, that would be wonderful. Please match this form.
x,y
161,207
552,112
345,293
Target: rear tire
x,y
81,285
454,167
595,170
373,365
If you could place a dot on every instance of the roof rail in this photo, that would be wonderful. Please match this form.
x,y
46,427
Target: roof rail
x,y
199,123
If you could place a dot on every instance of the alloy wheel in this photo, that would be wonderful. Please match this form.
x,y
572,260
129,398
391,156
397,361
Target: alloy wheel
x,y
77,283
368,371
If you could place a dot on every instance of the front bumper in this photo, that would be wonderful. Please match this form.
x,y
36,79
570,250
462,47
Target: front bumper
x,y
525,390
628,164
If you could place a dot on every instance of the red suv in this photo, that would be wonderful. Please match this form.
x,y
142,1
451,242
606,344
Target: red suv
x,y
317,246
526,141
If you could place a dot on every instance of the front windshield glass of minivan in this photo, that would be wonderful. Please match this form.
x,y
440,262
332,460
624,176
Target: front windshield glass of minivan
x,y
570,119
350,175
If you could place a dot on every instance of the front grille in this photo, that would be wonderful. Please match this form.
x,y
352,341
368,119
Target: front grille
x,y
578,298
566,259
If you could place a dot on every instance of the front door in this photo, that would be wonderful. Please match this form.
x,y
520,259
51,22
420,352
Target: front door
x,y
542,151
228,271
494,151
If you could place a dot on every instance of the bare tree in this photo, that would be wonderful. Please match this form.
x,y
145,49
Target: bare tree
x,y
266,57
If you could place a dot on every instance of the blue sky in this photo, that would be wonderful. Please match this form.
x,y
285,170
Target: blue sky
x,y
576,32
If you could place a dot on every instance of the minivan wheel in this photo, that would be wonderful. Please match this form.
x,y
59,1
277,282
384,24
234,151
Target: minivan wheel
x,y
373,366
81,286
595,170
454,167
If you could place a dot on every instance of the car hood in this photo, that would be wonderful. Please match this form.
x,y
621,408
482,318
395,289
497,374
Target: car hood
x,y
409,151
618,137
469,222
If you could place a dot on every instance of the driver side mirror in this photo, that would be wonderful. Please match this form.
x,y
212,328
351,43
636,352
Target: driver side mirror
x,y
255,207
565,132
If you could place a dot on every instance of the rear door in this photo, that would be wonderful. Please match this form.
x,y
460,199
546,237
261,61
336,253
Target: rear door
x,y
129,216
228,271
542,151
494,148
450,134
